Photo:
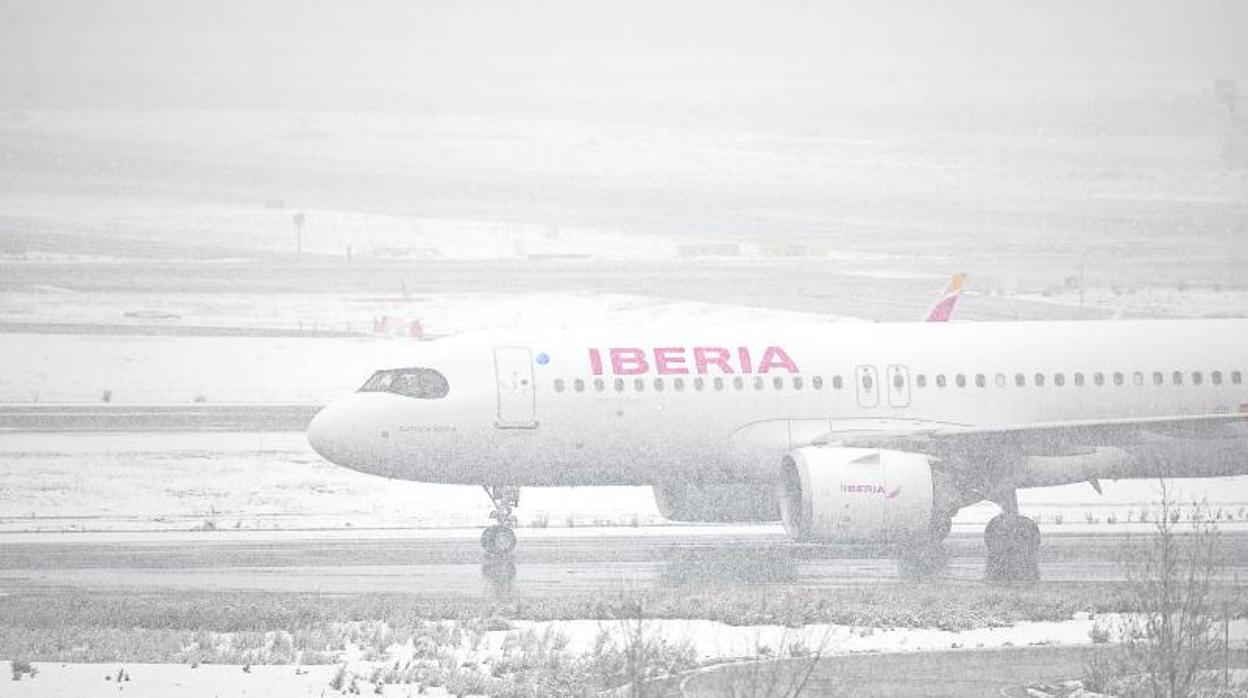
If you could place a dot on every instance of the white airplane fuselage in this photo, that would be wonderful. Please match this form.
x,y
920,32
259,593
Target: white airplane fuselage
x,y
720,404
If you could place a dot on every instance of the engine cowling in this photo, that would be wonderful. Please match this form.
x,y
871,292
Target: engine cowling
x,y
716,503
839,494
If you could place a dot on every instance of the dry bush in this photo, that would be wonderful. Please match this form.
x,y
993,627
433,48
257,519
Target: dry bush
x,y
1174,639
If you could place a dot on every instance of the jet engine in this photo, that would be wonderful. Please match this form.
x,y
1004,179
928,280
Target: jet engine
x,y
837,494
716,503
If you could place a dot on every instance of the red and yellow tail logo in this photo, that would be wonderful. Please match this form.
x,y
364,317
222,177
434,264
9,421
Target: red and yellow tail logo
x,y
943,310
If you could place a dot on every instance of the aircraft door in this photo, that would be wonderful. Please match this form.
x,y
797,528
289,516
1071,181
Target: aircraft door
x,y
517,408
898,385
868,386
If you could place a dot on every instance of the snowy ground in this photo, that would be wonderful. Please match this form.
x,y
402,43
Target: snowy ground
x,y
1155,301
711,643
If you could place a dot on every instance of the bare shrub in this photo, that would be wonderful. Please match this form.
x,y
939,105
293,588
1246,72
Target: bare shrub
x,y
773,675
339,679
1098,634
640,656
21,668
1173,639
1098,673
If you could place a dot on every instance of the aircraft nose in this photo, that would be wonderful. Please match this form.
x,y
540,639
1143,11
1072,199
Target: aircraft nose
x,y
326,433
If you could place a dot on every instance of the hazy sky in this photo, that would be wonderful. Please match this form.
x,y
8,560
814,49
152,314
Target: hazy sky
x,y
332,53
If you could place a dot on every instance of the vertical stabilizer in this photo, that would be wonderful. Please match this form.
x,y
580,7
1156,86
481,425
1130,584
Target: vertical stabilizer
x,y
943,310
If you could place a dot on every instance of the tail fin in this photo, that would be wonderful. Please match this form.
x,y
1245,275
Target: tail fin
x,y
943,310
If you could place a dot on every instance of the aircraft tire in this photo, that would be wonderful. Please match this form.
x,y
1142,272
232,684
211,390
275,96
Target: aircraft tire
x,y
1012,542
498,540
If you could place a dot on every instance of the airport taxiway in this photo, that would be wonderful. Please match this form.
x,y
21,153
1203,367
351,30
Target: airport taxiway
x,y
449,563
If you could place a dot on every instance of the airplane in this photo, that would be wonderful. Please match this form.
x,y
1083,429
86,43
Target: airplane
x,y
845,432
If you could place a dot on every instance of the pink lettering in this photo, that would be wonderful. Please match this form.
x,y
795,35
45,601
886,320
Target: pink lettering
x,y
711,356
628,361
775,357
743,353
670,360
631,361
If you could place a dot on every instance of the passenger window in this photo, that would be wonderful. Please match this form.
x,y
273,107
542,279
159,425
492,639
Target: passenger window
x,y
778,383
960,380
558,385
719,383
422,383
758,383
1098,379
639,384
920,380
699,383
1038,380
600,385
738,383
1078,379
1000,380
578,385
1137,378
1237,377
797,382
658,384
1118,378
1059,379
898,380
867,382
837,384
1216,378
816,382
1158,379
1197,378
1177,377
619,385
940,380
1020,380
980,380
678,384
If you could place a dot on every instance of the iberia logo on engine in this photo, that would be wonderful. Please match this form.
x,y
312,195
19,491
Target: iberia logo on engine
x,y
870,488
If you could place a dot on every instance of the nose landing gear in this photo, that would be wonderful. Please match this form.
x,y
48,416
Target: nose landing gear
x,y
500,538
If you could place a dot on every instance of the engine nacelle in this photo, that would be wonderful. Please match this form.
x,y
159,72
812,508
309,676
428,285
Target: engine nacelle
x,y
839,494
716,503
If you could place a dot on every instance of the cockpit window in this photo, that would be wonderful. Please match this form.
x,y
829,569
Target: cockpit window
x,y
424,383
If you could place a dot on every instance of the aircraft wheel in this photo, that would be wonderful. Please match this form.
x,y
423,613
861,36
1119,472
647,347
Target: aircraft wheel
x,y
941,526
498,540
1012,542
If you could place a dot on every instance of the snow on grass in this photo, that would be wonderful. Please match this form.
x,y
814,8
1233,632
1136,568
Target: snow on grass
x,y
714,641
439,313
55,680
444,650
1154,300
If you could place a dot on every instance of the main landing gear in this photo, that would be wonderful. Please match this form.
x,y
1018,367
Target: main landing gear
x,y
1012,542
500,538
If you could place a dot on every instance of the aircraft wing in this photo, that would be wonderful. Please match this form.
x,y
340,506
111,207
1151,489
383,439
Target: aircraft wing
x,y
1041,438
1053,453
